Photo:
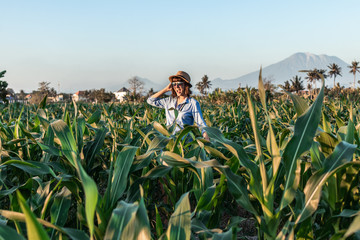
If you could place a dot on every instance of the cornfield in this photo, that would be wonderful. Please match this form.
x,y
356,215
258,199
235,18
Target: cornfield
x,y
289,168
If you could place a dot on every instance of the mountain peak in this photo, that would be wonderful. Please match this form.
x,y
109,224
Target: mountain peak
x,y
286,69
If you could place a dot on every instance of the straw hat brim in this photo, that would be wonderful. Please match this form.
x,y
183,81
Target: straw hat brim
x,y
178,76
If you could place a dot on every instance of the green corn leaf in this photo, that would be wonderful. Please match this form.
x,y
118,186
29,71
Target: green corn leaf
x,y
70,150
205,198
30,167
81,125
50,149
342,154
326,123
327,142
180,221
17,127
95,117
259,154
68,144
72,233
75,234
300,104
228,235
316,156
216,135
182,134
159,225
237,187
34,229
60,207
215,153
91,196
305,129
158,143
262,93
354,227
9,233
43,118
161,129
93,147
7,192
133,194
128,221
350,133
43,102
141,161
122,167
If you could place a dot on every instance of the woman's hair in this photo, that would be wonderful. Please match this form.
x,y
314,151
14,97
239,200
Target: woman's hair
x,y
187,89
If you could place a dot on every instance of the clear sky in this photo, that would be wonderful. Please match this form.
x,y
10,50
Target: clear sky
x,y
86,44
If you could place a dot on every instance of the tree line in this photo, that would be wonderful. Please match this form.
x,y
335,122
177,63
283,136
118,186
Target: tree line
x,y
136,89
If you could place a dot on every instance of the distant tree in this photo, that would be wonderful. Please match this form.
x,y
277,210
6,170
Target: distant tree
x,y
90,95
102,96
320,72
315,75
310,76
354,67
335,70
36,97
43,90
52,92
3,86
296,84
287,86
44,87
22,95
204,85
309,88
136,86
268,84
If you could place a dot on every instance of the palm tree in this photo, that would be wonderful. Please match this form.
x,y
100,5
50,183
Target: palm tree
x,y
354,68
310,76
287,86
309,87
315,75
297,84
335,70
204,85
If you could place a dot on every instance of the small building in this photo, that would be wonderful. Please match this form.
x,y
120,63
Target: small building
x,y
121,94
59,97
10,96
28,97
79,96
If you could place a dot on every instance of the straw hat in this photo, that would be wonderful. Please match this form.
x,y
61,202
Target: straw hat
x,y
183,75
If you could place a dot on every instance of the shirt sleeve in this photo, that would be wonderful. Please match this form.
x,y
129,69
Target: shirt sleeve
x,y
198,117
157,102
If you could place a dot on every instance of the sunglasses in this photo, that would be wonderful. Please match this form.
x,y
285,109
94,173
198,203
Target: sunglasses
x,y
177,84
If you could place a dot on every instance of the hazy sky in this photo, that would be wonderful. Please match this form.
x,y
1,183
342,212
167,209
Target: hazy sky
x,y
85,44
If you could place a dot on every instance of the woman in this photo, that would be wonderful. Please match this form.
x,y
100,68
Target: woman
x,y
188,108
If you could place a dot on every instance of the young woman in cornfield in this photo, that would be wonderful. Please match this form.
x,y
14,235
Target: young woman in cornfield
x,y
188,108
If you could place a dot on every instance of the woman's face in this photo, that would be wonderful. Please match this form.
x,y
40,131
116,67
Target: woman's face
x,y
179,87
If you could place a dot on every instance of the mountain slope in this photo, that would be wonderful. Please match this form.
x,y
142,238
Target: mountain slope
x,y
288,68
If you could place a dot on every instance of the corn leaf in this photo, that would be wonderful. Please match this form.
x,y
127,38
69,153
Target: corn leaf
x,y
180,221
70,150
128,221
9,233
305,129
342,154
34,229
122,167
